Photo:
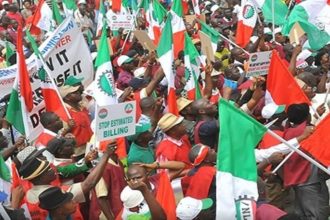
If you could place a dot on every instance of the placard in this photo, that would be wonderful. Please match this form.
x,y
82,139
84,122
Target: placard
x,y
125,21
207,46
259,63
115,121
145,40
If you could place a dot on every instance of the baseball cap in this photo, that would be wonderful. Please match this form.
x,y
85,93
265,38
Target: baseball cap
x,y
71,81
271,109
5,3
65,90
81,2
124,59
188,208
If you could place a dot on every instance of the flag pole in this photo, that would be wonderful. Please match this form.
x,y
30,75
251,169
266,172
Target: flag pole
x,y
273,19
283,162
298,151
326,96
231,42
287,14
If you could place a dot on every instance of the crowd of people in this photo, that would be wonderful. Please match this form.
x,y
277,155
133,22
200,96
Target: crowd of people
x,y
51,176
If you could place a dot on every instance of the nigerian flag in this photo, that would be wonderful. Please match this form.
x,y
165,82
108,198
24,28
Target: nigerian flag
x,y
237,191
191,64
313,17
104,87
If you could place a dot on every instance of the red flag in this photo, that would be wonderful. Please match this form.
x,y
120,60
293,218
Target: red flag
x,y
24,79
116,5
165,196
318,143
282,88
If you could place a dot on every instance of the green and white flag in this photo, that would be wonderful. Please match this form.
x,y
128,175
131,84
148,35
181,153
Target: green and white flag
x,y
191,64
236,179
9,53
104,87
212,33
69,7
165,52
56,13
280,8
313,16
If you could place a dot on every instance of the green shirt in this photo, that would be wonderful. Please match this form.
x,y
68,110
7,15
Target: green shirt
x,y
138,154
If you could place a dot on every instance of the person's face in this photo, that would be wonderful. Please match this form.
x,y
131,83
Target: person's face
x,y
309,91
49,175
68,208
279,38
138,174
211,156
221,46
67,150
56,122
75,96
240,55
14,24
325,61
6,7
198,47
179,130
208,108
27,5
82,8
145,137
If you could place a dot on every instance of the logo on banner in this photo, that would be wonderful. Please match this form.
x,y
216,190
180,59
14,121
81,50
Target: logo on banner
x,y
103,113
106,84
129,108
254,57
248,11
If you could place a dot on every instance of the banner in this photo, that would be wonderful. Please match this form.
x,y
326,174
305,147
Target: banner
x,y
66,53
115,121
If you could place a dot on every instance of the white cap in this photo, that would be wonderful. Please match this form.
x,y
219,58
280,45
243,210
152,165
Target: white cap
x,y
5,3
81,2
267,30
123,59
214,73
214,8
271,109
277,30
188,208
139,72
206,3
25,153
131,198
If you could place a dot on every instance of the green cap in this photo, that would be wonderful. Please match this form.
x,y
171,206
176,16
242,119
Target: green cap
x,y
71,81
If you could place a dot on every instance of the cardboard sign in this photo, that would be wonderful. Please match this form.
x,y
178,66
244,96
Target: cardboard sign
x,y
125,21
259,63
115,121
207,46
296,34
190,18
145,40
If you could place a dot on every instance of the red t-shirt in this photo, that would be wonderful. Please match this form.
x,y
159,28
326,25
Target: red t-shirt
x,y
169,150
82,129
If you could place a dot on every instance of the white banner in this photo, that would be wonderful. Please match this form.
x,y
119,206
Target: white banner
x,y
115,121
66,53
125,21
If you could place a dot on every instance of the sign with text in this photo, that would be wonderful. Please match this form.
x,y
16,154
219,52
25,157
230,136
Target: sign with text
x,y
125,21
66,53
115,121
259,63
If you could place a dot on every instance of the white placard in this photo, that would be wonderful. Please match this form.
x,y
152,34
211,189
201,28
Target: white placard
x,y
259,63
115,121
